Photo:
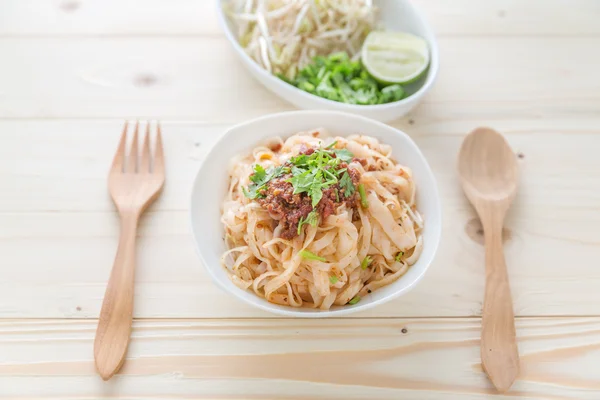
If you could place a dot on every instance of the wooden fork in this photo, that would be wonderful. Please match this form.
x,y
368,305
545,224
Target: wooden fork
x,y
133,187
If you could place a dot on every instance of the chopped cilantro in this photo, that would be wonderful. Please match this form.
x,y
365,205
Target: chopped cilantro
x,y
274,172
344,155
259,180
259,174
319,170
312,219
316,193
330,175
301,180
299,160
347,185
253,191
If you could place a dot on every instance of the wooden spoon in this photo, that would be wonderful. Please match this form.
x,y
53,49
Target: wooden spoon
x,y
488,171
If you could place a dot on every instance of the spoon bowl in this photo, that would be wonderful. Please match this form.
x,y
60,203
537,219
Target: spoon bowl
x,y
488,171
487,167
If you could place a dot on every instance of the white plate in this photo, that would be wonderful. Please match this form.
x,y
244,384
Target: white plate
x,y
210,188
395,15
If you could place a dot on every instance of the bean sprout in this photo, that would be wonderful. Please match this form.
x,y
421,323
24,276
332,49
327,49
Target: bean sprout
x,y
283,36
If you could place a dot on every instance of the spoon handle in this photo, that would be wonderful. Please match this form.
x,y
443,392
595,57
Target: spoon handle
x,y
499,352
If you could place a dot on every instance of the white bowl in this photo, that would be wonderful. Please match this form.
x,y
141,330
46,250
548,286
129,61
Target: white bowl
x,y
395,15
210,188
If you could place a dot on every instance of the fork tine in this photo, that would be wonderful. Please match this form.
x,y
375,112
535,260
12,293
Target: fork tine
x,y
117,165
145,159
159,158
133,152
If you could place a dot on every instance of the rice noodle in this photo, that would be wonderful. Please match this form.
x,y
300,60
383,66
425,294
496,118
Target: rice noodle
x,y
389,231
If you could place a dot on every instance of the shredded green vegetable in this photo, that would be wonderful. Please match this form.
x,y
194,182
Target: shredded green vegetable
x,y
363,196
311,256
338,78
366,262
354,300
399,256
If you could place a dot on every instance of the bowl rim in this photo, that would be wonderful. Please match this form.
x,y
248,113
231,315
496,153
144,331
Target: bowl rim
x,y
290,311
433,68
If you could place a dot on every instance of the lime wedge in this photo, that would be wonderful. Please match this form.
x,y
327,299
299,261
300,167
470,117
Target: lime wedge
x,y
395,57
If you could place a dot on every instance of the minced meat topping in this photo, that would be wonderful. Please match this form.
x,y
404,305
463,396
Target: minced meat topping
x,y
308,187
290,208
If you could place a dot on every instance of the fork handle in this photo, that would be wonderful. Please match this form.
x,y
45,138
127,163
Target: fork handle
x,y
114,325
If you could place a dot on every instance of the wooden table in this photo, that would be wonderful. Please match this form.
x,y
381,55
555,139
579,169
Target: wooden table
x,y
71,71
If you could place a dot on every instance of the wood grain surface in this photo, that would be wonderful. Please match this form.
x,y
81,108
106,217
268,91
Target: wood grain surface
x,y
73,70
299,359
197,18
125,77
